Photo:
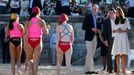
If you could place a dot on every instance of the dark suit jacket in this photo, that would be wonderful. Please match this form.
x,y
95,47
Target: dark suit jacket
x,y
88,24
107,30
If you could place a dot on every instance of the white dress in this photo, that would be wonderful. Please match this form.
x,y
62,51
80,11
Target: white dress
x,y
121,42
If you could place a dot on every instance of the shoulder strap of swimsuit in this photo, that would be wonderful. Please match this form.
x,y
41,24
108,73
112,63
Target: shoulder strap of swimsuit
x,y
65,33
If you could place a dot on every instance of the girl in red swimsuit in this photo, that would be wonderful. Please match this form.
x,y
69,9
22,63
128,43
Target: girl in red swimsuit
x,y
35,26
65,39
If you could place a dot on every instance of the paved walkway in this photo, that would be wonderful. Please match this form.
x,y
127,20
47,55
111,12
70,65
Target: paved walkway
x,y
51,70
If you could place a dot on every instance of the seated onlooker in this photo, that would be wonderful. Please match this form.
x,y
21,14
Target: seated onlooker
x,y
15,6
3,4
52,6
103,9
75,9
24,7
46,10
58,7
130,8
66,6
83,10
49,8
88,6
45,6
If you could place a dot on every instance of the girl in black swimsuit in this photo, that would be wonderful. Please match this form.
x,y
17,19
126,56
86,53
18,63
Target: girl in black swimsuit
x,y
15,30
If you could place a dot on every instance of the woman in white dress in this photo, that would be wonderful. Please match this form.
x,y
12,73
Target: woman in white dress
x,y
121,46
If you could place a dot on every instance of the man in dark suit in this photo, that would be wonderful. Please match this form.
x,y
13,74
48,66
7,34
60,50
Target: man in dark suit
x,y
109,36
91,26
33,3
5,46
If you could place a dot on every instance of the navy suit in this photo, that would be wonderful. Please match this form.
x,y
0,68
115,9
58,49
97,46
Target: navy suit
x,y
107,30
91,39
87,26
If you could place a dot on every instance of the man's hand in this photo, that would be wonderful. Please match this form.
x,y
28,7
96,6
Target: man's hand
x,y
100,33
95,30
106,43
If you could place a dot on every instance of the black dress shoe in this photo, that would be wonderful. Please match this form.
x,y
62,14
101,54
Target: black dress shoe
x,y
132,71
91,72
115,70
88,72
103,69
109,71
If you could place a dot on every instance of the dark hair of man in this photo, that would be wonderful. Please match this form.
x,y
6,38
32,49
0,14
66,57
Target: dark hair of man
x,y
112,9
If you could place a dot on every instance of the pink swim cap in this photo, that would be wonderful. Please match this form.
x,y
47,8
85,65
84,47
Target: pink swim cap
x,y
36,10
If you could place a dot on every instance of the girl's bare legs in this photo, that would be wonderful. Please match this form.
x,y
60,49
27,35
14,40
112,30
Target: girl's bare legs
x,y
18,54
123,63
118,63
36,57
29,56
59,61
68,56
12,56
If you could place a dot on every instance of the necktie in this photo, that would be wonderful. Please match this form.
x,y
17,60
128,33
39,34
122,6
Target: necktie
x,y
95,21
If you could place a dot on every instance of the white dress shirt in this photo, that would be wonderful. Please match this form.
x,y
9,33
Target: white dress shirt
x,y
112,26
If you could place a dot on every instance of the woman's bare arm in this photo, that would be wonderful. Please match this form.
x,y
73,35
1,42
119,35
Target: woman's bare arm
x,y
72,36
45,27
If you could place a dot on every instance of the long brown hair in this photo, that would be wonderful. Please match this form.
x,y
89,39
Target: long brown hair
x,y
121,18
13,18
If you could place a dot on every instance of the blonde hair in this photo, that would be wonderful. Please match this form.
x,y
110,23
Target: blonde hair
x,y
14,16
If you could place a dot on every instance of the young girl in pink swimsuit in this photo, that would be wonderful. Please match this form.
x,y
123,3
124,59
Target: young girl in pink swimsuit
x,y
35,26
65,39
15,32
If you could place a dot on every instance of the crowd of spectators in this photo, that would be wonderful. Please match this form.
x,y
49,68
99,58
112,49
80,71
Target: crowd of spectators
x,y
70,7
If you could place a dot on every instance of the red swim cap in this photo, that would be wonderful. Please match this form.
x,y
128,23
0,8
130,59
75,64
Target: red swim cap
x,y
36,10
62,18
